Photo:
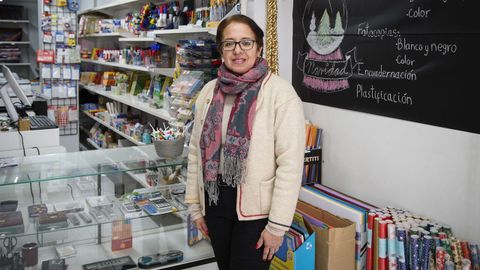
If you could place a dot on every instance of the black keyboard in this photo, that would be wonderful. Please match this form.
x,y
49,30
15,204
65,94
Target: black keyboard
x,y
41,122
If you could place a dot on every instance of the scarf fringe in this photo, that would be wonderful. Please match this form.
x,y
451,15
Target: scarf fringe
x,y
233,170
213,192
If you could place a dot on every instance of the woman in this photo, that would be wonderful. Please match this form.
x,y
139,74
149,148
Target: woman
x,y
246,152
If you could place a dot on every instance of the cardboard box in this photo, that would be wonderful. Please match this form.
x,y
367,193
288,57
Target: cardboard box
x,y
335,246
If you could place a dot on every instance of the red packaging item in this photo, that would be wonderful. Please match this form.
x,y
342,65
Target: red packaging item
x,y
45,56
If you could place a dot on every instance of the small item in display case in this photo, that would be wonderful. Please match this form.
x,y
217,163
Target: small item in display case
x,y
85,217
103,213
54,264
65,251
148,207
11,222
162,205
37,209
121,235
99,201
72,217
84,187
159,259
8,206
131,210
53,220
69,207
121,263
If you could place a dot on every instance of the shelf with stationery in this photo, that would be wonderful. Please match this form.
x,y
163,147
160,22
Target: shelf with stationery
x,y
14,21
14,42
100,35
162,71
16,64
129,100
49,194
112,7
119,132
17,31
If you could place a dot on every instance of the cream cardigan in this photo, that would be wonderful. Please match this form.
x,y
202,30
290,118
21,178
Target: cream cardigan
x,y
275,157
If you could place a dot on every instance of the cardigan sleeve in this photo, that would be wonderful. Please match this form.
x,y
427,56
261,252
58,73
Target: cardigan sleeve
x,y
289,153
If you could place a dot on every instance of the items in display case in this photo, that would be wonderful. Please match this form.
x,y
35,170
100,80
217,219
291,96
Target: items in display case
x,y
8,206
123,263
52,220
81,226
54,264
121,235
159,259
37,209
11,222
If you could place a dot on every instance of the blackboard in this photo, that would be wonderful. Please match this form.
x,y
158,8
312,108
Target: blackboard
x,y
408,59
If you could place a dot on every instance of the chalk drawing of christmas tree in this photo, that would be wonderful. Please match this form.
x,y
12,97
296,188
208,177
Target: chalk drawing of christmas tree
x,y
325,39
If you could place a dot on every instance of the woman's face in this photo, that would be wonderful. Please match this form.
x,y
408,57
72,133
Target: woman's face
x,y
239,60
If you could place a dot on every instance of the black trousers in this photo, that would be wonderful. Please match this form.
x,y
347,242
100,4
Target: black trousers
x,y
234,241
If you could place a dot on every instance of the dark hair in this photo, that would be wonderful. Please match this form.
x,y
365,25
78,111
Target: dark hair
x,y
239,18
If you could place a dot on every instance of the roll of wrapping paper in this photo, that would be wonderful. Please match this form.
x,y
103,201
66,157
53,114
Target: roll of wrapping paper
x,y
392,242
474,256
455,253
442,235
466,264
433,249
426,248
458,247
382,246
376,226
371,217
447,247
414,231
449,265
448,230
465,250
401,237
415,252
440,258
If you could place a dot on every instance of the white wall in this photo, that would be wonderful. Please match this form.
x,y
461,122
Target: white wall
x,y
430,170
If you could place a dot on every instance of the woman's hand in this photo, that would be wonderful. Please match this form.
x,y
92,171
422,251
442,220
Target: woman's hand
x,y
271,243
201,225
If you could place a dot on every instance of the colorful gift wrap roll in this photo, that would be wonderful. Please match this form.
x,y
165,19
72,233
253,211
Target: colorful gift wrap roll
x,y
449,265
382,246
442,235
414,231
415,252
440,258
376,227
466,264
401,237
457,259
392,242
465,250
426,248
371,217
447,229
447,247
474,256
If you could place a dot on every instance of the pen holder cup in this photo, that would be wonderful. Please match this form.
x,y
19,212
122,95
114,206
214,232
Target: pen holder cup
x,y
169,148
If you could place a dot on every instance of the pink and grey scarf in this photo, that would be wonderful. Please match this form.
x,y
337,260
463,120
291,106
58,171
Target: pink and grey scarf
x,y
239,131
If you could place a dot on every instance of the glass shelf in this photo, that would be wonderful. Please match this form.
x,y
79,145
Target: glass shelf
x,y
85,163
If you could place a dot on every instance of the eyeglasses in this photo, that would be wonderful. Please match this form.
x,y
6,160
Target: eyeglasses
x,y
245,44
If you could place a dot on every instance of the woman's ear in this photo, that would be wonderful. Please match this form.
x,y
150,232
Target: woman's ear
x,y
259,52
